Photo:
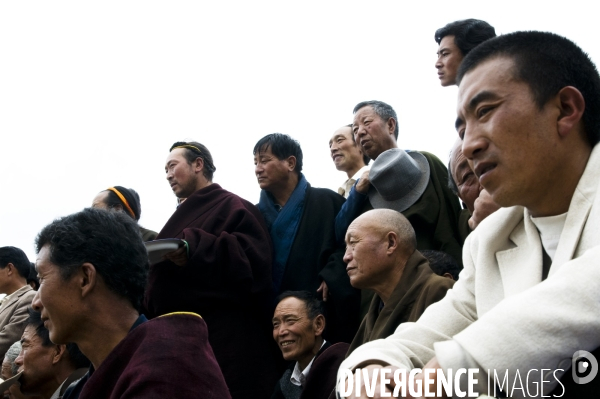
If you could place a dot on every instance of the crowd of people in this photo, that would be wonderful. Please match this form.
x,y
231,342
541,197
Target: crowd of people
x,y
289,297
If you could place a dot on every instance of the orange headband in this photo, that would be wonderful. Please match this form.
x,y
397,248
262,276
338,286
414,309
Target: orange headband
x,y
114,190
189,146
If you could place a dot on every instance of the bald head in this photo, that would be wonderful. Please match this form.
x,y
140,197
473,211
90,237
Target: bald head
x,y
378,246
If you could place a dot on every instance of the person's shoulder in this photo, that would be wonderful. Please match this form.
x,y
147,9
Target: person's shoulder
x,y
26,294
325,193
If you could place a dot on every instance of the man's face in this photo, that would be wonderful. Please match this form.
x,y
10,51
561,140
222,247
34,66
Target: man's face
x,y
293,331
372,133
449,59
271,172
35,360
464,177
56,299
509,141
182,176
345,152
368,266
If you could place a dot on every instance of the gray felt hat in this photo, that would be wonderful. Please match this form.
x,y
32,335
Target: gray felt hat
x,y
398,179
12,380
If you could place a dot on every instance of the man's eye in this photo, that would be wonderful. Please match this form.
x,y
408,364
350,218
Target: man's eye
x,y
483,111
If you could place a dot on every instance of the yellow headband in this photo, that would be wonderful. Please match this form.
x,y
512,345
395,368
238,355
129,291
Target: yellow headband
x,y
114,190
191,147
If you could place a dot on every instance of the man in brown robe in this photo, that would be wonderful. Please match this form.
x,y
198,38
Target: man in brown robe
x,y
381,255
93,267
223,273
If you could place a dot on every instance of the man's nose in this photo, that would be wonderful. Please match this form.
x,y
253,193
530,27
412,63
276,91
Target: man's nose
x,y
347,255
19,359
36,304
473,144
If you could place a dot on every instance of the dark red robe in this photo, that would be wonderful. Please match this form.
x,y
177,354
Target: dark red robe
x,y
227,280
167,357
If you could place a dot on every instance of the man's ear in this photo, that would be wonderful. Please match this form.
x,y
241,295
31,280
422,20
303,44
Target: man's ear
x,y
392,242
9,268
198,165
319,324
291,162
391,125
572,106
88,278
59,351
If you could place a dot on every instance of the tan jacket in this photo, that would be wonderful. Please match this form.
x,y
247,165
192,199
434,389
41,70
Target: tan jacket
x,y
13,314
500,312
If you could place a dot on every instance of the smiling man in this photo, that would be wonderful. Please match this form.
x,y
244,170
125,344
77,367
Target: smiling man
x,y
528,298
347,157
222,273
92,267
456,40
298,325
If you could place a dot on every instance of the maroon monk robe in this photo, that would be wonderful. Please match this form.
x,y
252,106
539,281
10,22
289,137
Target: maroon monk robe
x,y
227,280
167,357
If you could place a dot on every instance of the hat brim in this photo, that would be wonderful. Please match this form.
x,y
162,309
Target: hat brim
x,y
402,204
4,385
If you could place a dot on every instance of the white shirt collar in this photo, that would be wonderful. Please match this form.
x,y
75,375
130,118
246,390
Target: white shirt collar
x,y
299,377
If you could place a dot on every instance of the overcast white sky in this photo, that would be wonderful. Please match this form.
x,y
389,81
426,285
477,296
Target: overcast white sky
x,y
92,94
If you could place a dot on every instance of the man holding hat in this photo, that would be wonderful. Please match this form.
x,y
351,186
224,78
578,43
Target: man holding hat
x,y
413,183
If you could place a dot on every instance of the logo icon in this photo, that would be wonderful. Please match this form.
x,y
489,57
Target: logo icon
x,y
584,367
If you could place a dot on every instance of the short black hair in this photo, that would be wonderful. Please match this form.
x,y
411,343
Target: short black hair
x,y
17,257
366,159
441,262
111,241
77,359
132,198
468,33
282,146
547,63
385,111
33,278
314,306
196,150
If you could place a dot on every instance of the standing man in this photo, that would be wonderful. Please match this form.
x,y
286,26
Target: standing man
x,y
14,270
93,268
48,369
413,183
301,223
347,157
222,273
456,40
528,298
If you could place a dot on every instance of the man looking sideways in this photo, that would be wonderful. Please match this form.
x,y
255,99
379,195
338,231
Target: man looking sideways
x,y
529,117
456,40
92,267
347,157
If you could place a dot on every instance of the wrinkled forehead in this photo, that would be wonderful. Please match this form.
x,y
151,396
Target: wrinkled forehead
x,y
366,111
176,154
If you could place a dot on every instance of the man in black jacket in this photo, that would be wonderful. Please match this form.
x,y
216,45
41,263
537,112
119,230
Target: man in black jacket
x,y
300,219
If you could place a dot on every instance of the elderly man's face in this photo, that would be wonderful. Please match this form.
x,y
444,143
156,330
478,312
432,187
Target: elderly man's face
x,y
294,332
373,133
181,175
506,136
464,177
35,360
56,299
365,256
345,152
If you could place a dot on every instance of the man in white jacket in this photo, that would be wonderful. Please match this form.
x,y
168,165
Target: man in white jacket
x,y
528,298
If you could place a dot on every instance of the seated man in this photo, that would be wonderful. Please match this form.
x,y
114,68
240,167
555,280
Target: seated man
x,y
93,267
442,264
300,219
527,301
48,369
465,184
381,255
298,325
14,270
347,157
